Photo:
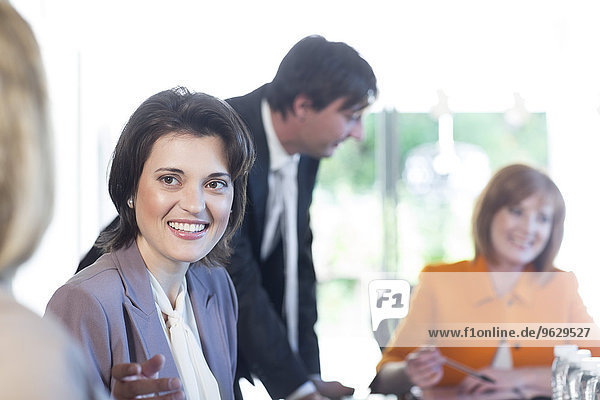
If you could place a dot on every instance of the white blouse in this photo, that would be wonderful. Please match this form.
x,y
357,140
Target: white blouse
x,y
182,335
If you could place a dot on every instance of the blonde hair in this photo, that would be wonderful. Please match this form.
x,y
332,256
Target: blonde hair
x,y
26,173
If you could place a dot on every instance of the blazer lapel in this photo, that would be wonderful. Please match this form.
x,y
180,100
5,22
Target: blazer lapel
x,y
258,179
210,326
145,335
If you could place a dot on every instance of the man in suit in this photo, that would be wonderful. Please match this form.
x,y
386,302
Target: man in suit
x,y
314,103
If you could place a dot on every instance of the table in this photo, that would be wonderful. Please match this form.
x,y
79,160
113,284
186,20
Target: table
x,y
451,393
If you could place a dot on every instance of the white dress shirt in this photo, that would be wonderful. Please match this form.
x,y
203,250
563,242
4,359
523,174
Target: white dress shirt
x,y
278,159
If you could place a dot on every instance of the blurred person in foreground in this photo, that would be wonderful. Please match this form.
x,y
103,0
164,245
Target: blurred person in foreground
x,y
159,300
517,229
38,360
314,103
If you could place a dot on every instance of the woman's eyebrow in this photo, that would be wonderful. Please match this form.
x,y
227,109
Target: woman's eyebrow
x,y
179,171
166,169
219,175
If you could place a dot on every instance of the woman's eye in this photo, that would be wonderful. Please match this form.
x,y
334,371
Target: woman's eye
x,y
169,180
217,184
515,210
544,218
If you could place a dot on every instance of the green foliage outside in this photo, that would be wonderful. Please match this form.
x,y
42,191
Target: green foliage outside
x,y
429,230
349,218
443,228
502,143
352,168
353,165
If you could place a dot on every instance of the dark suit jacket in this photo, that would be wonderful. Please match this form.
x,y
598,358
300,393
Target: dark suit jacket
x,y
263,346
110,308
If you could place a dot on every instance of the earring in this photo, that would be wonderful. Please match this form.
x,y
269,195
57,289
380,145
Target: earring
x,y
130,202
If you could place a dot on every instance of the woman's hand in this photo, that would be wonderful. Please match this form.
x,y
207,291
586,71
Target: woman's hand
x,y
133,379
424,366
503,380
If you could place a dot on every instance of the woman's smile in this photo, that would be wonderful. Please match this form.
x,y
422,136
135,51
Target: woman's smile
x,y
182,205
520,233
188,230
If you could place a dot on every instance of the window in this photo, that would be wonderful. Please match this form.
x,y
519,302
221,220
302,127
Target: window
x,y
364,226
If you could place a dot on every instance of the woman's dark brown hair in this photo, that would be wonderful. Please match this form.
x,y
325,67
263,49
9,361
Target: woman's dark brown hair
x,y
177,111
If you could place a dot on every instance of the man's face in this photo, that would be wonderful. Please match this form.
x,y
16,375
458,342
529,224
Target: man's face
x,y
322,131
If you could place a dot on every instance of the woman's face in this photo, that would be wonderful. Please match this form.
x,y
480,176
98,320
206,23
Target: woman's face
x,y
183,201
520,233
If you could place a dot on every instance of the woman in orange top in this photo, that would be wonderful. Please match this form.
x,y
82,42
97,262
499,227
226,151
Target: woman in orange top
x,y
517,228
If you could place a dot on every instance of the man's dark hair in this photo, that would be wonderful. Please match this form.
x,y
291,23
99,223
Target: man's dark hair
x,y
182,112
324,71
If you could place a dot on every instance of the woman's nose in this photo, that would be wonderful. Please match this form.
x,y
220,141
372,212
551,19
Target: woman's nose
x,y
193,200
529,223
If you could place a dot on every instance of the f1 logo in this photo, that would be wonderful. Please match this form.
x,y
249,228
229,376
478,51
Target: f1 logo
x,y
388,298
381,297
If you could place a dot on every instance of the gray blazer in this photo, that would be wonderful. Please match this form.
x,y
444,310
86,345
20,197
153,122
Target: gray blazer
x,y
110,308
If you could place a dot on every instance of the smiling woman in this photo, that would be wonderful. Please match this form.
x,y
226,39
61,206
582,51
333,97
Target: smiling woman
x,y
182,206
522,206
177,180
517,229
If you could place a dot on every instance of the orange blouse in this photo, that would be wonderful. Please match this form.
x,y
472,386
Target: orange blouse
x,y
445,299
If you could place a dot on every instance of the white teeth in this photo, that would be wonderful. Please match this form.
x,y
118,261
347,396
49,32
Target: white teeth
x,y
187,227
523,243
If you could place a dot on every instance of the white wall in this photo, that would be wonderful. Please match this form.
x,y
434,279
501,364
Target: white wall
x,y
104,58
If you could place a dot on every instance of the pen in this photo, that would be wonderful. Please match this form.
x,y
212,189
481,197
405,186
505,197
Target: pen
x,y
463,368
